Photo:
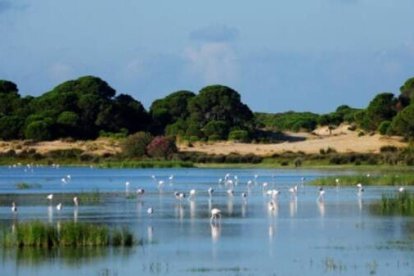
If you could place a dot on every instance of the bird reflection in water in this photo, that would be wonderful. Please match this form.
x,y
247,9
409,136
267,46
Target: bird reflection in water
x,y
215,231
271,231
230,205
75,215
192,209
321,208
293,206
179,211
243,209
150,233
50,213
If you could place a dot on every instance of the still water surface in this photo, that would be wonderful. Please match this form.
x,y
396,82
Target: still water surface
x,y
302,236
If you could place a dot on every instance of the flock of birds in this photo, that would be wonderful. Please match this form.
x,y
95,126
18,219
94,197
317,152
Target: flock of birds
x,y
229,182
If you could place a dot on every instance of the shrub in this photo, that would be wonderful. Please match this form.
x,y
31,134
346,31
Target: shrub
x,y
388,149
135,145
239,135
384,127
162,147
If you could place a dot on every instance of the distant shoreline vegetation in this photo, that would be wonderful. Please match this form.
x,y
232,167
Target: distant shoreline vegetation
x,y
389,156
88,108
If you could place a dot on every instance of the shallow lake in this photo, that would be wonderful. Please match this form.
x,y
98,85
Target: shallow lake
x,y
301,236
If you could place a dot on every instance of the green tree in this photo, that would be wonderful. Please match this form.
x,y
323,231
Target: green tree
x,y
170,109
10,127
220,103
403,123
381,108
39,130
407,94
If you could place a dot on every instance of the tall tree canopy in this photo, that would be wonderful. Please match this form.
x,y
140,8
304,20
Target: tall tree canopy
x,y
170,109
221,105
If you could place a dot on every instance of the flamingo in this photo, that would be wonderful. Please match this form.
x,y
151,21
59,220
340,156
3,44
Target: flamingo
x,y
192,194
215,215
75,201
293,190
140,192
321,194
14,207
179,196
271,206
210,191
360,188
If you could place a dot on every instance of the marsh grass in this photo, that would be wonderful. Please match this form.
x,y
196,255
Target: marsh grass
x,y
398,204
36,234
26,186
90,197
351,180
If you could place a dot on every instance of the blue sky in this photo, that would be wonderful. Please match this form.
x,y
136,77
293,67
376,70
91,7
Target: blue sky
x,y
279,55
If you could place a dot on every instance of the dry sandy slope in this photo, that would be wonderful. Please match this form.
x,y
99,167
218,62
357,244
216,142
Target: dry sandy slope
x,y
96,147
341,139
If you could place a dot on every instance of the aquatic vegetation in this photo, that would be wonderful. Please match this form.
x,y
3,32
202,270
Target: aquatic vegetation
x,y
392,179
90,197
37,234
401,203
26,186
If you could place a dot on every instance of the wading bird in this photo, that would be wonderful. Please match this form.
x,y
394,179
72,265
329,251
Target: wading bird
x,y
215,216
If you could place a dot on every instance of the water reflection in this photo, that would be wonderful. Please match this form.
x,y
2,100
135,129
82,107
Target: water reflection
x,y
192,209
230,206
271,231
69,256
321,208
179,212
215,231
150,233
50,213
75,214
293,206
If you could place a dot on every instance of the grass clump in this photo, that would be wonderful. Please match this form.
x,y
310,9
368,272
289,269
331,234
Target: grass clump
x,y
26,186
401,204
351,180
36,234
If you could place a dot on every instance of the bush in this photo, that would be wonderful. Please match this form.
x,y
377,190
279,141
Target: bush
x,y
239,135
135,145
384,127
162,147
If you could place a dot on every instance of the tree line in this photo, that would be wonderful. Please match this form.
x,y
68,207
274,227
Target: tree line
x,y
89,107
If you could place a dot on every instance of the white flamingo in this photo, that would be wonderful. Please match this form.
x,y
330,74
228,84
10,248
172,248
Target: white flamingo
x,y
76,201
321,194
14,207
215,216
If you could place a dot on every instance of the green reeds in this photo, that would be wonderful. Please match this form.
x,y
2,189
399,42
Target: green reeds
x,y
26,186
37,234
351,180
401,203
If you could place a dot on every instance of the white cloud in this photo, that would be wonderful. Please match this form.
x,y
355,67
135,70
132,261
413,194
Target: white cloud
x,y
214,62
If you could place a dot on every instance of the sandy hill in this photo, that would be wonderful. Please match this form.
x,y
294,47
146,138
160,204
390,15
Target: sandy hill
x,y
341,139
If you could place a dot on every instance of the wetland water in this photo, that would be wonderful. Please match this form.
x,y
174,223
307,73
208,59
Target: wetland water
x,y
301,236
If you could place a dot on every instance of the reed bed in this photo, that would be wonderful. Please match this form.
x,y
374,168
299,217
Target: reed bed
x,y
401,203
351,180
38,234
